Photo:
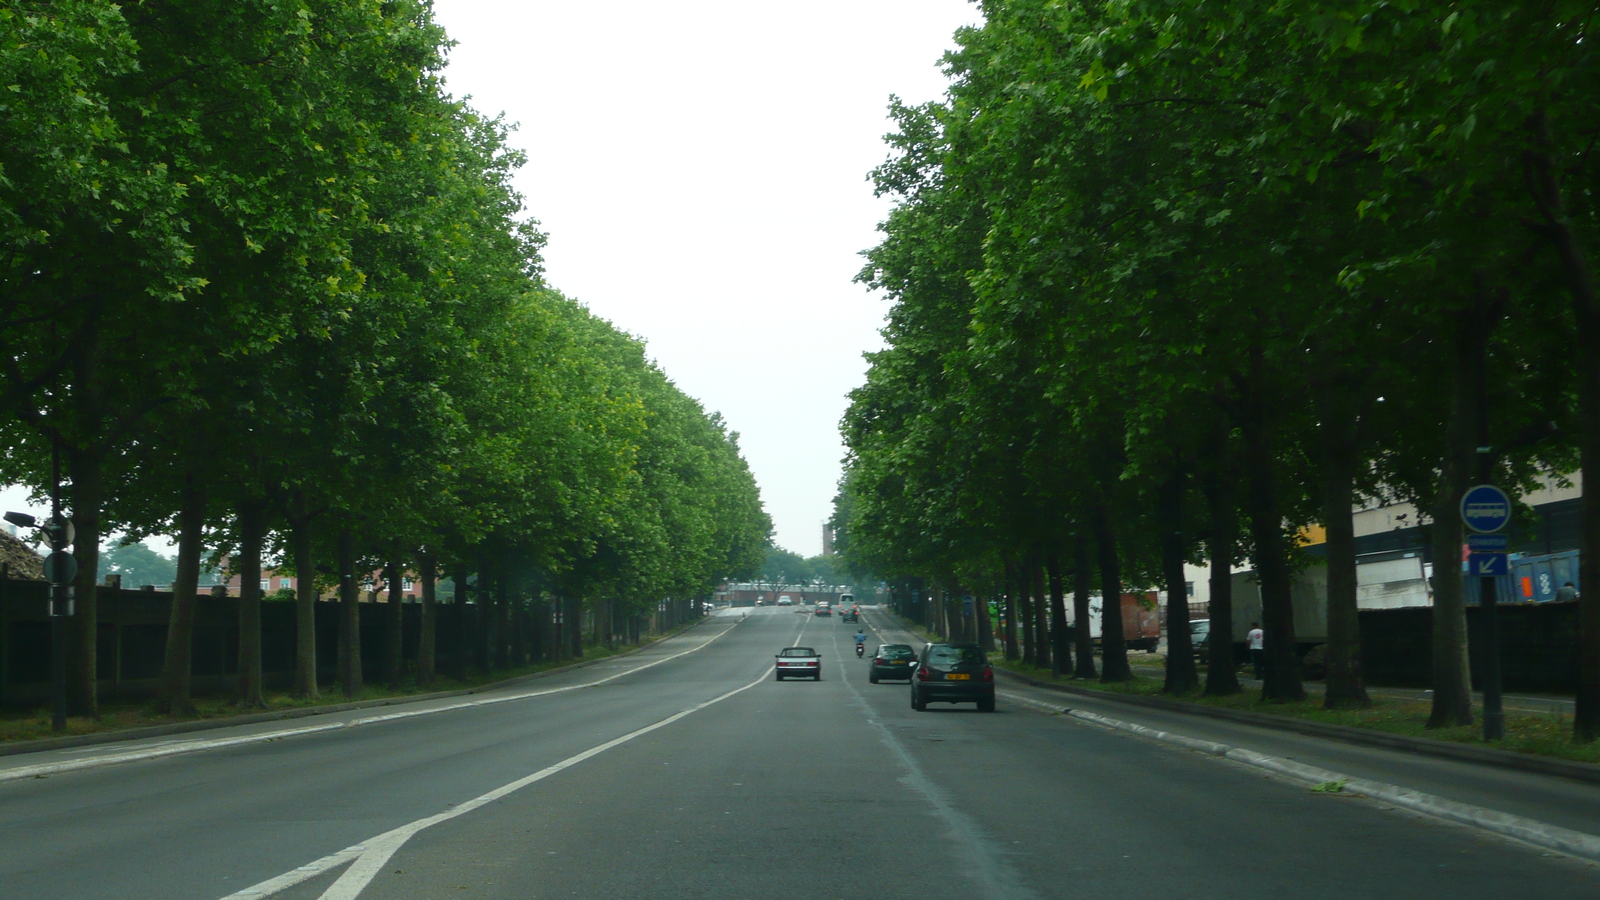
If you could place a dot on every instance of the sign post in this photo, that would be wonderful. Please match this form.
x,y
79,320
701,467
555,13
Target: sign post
x,y
1486,510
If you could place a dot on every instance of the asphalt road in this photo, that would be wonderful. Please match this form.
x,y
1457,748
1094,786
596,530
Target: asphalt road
x,y
701,777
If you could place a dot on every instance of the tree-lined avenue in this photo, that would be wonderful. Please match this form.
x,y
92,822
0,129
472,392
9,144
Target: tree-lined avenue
x,y
827,789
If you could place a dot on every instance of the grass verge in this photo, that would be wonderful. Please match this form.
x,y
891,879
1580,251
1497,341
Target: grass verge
x,y
29,725
1541,734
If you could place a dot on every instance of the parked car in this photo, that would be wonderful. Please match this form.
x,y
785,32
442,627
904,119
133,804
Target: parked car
x,y
785,600
799,662
1199,631
892,662
952,673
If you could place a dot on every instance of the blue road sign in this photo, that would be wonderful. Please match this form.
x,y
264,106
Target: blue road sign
x,y
1485,509
1487,565
1488,543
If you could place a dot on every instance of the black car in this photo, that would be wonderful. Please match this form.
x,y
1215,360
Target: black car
x,y
892,662
849,615
952,673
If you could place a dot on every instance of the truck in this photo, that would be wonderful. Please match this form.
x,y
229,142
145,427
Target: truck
x,y
1141,620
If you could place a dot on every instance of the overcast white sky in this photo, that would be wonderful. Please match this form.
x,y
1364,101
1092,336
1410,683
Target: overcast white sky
x,y
700,169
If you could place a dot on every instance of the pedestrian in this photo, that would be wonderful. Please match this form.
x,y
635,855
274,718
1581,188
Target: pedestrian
x,y
1567,592
1258,647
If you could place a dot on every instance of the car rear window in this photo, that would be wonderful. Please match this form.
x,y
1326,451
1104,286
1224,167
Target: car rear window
x,y
954,656
895,652
799,651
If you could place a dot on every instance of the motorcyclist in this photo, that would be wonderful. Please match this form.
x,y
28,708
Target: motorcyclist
x,y
861,641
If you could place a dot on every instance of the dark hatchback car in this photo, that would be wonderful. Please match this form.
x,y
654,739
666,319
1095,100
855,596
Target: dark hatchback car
x,y
892,662
952,673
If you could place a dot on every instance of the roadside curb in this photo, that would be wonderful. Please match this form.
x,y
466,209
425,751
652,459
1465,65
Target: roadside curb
x,y
132,734
45,770
1486,756
1529,831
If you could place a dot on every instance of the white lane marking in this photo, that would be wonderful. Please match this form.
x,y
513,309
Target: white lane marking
x,y
173,749
986,863
1524,830
373,854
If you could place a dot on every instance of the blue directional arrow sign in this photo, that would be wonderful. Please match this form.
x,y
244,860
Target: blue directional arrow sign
x,y
1488,543
1485,509
1488,565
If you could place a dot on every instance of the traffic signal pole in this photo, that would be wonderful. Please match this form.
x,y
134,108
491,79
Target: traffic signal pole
x,y
58,609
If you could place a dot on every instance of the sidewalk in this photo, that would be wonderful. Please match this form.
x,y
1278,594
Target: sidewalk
x,y
1546,810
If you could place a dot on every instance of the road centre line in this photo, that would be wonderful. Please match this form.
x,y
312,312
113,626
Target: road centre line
x,y
372,855
173,749
369,857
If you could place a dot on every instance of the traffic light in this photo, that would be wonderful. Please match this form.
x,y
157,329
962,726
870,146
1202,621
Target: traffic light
x,y
60,567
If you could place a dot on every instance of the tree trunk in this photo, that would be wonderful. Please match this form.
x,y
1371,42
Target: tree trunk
x,y
574,617
305,607
1221,537
87,493
427,640
175,696
1182,676
1041,610
394,626
1452,678
1346,688
1012,652
1082,587
1060,645
252,534
1113,643
1030,644
1282,681
980,611
349,615
1544,182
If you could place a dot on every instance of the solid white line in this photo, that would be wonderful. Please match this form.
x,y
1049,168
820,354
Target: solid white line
x,y
173,749
371,855
1528,831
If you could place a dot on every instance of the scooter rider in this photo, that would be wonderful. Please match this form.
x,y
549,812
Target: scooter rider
x,y
861,641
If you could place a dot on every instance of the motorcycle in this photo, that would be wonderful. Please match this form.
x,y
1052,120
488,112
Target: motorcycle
x,y
861,650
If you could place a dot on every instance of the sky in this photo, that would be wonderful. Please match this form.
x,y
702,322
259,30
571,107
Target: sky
x,y
700,169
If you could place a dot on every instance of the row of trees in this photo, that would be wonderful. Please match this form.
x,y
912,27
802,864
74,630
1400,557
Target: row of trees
x,y
266,287
1174,280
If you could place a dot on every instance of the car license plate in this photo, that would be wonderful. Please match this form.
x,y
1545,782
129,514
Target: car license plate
x,y
957,676
898,662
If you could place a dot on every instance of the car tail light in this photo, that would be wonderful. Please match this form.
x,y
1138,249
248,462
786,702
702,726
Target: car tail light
x,y
877,660
922,673
988,673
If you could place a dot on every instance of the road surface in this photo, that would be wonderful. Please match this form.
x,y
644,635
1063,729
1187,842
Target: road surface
x,y
686,771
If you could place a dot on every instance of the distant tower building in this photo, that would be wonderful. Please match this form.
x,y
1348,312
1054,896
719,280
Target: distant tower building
x,y
827,539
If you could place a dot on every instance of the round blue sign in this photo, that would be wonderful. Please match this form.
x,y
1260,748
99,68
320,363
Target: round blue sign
x,y
1485,509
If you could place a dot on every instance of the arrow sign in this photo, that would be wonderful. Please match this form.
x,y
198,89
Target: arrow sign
x,y
1485,509
1488,565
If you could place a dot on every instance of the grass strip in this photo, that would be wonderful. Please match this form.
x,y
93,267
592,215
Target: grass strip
x,y
1538,733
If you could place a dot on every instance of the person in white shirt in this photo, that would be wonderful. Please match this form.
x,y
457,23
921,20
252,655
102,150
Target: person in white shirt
x,y
1258,643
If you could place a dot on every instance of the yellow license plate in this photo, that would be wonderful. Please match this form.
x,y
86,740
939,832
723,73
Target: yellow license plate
x,y
897,662
957,676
